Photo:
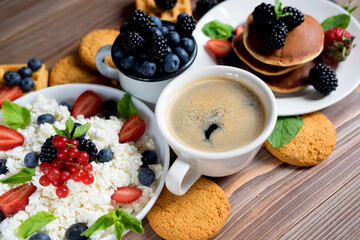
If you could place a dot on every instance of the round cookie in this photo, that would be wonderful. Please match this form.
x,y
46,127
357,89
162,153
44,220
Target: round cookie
x,y
313,143
198,214
91,43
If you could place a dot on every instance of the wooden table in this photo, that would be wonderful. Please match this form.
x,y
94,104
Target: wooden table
x,y
269,199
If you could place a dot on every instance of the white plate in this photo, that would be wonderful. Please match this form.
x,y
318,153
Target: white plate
x,y
70,92
235,12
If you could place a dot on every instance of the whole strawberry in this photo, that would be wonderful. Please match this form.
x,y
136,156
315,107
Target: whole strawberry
x,y
338,44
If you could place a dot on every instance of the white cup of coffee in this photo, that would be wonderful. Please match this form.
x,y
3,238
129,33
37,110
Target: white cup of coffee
x,y
215,119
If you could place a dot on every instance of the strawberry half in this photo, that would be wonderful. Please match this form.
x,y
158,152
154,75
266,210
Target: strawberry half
x,y
132,129
220,47
126,194
239,29
87,104
9,138
10,93
16,199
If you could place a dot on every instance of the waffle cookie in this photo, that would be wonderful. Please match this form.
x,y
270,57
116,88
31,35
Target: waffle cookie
x,y
40,77
150,8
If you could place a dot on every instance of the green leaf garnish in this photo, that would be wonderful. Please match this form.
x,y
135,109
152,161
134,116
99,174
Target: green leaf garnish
x,y
35,223
15,116
122,221
125,107
80,130
340,20
348,7
69,126
218,30
285,129
278,10
23,176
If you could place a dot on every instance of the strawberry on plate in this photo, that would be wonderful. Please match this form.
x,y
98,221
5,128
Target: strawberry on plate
x,y
126,194
16,199
10,93
220,47
239,29
9,138
132,129
87,104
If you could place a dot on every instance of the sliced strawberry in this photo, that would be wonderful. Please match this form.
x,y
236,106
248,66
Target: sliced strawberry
x,y
239,29
126,194
9,138
220,47
10,93
87,104
132,129
16,199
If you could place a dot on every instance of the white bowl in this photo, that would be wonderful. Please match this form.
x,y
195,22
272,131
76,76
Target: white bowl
x,y
70,92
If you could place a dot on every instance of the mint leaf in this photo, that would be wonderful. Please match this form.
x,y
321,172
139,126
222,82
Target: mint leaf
x,y
59,132
35,223
285,129
102,223
348,7
80,130
69,126
278,10
218,30
125,107
340,20
119,229
15,116
23,176
129,221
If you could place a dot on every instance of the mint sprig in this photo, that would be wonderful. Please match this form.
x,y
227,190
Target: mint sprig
x,y
23,176
285,129
15,116
121,220
341,21
69,126
35,223
278,10
217,30
125,107
348,7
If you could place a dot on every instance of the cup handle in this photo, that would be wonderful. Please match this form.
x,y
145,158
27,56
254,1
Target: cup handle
x,y
101,64
181,176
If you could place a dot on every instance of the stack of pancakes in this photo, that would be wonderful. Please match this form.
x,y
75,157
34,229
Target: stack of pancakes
x,y
286,69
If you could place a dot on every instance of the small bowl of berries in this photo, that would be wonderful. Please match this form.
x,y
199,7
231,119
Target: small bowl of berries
x,y
149,53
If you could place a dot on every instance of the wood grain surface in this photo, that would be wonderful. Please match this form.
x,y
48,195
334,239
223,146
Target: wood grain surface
x,y
269,199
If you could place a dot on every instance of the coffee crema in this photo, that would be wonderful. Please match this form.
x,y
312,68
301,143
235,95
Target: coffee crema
x,y
216,114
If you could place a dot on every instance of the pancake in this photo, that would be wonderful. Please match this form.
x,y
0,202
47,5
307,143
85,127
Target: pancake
x,y
302,44
256,65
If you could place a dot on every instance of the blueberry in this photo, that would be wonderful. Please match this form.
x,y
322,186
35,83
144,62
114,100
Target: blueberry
x,y
74,231
45,118
171,63
171,27
40,236
12,78
157,21
124,27
31,160
169,49
148,157
3,168
66,104
72,132
148,69
182,54
137,67
34,64
109,108
188,44
173,38
104,155
2,216
165,30
27,84
118,52
182,15
128,61
156,31
146,176
25,72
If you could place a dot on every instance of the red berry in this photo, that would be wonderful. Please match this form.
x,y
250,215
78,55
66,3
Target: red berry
x,y
88,166
88,178
45,167
74,142
220,47
57,183
62,154
56,163
83,157
76,176
74,152
44,181
53,174
74,168
62,191
65,175
60,141
70,159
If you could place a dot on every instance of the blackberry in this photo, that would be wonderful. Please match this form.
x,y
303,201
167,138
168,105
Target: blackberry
x,y
323,78
274,38
295,18
48,151
131,42
165,4
88,146
185,26
140,21
264,15
157,47
203,6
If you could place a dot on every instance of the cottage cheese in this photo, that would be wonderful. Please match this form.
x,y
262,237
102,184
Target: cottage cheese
x,y
85,203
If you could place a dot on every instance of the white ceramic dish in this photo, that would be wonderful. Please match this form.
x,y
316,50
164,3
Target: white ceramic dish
x,y
235,12
70,92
